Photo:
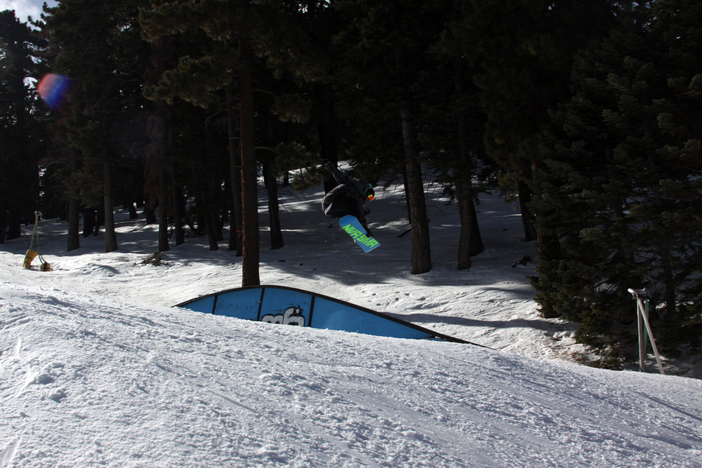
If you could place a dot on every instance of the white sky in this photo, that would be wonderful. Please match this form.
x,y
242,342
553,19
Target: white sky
x,y
25,8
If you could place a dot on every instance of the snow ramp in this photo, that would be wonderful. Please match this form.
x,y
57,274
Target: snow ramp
x,y
290,306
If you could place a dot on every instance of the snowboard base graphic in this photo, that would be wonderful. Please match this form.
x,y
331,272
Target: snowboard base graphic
x,y
354,229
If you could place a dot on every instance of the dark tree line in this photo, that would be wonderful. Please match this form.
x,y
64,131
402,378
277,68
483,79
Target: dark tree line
x,y
618,191
587,111
21,125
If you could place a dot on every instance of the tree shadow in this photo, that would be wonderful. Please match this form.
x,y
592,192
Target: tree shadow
x,y
536,324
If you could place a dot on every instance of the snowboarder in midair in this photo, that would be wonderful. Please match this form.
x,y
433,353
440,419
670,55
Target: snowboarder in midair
x,y
348,197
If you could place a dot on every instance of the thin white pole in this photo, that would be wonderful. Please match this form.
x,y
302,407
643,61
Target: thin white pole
x,y
650,334
642,337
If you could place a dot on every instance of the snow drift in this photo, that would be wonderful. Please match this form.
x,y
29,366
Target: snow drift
x,y
90,381
98,369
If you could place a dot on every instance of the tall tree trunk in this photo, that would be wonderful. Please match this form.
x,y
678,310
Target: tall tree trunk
x,y
73,224
326,129
470,243
110,236
162,209
421,252
132,210
476,239
235,224
149,214
157,155
530,233
273,211
160,150
176,193
405,184
14,223
178,209
249,192
217,224
466,212
210,229
73,208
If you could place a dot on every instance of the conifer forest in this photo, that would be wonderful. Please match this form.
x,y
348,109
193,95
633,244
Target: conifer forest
x,y
587,113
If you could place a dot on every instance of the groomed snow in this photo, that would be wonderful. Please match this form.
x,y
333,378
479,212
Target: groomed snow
x,y
98,369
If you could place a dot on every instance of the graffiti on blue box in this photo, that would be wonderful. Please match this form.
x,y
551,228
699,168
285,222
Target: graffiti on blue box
x,y
290,316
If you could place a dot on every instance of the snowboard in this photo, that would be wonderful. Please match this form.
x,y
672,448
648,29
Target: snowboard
x,y
354,229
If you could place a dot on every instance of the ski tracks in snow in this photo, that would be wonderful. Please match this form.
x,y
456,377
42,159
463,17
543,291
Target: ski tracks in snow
x,y
7,456
359,416
139,386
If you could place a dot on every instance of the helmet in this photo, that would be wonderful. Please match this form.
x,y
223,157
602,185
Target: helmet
x,y
369,194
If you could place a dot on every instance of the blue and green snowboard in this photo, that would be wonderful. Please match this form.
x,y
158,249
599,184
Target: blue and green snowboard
x,y
354,229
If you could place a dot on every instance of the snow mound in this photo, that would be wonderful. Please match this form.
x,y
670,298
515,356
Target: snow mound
x,y
86,380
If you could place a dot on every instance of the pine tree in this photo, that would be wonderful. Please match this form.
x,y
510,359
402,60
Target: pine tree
x,y
676,232
236,33
583,188
455,127
614,196
106,81
20,124
159,158
524,51
388,48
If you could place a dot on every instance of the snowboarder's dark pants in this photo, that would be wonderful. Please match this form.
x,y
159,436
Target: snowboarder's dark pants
x,y
343,207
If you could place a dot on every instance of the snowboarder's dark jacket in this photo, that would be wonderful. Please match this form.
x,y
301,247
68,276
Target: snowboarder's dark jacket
x,y
347,198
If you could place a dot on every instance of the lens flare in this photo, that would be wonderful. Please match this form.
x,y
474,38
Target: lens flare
x,y
53,89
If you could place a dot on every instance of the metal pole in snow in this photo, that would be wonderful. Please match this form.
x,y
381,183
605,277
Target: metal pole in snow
x,y
645,313
642,334
642,315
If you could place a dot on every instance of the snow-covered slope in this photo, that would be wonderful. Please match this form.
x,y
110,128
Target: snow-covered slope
x,y
490,304
89,381
97,368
